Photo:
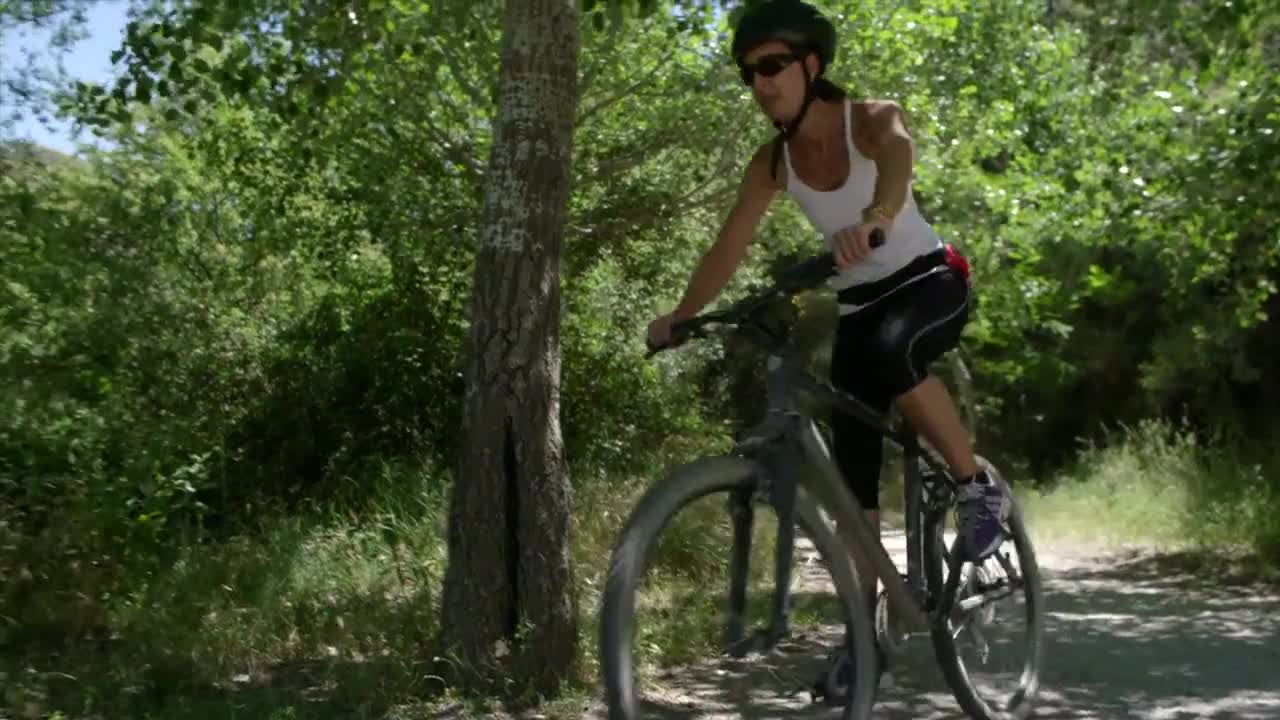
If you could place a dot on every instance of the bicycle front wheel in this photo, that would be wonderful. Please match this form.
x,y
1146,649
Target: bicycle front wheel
x,y
991,646
633,552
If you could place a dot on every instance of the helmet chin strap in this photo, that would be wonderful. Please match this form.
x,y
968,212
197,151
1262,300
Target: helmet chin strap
x,y
788,130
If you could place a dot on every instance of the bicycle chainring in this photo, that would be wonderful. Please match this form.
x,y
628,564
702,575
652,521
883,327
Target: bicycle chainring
x,y
889,633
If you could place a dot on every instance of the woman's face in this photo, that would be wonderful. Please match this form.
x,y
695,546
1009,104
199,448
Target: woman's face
x,y
776,79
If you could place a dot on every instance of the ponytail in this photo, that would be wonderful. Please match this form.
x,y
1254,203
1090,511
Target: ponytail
x,y
824,89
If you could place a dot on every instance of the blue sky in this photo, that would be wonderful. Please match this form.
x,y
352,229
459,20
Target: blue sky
x,y
89,60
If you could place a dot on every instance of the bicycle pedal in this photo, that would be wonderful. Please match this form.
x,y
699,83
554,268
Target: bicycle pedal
x,y
818,693
822,695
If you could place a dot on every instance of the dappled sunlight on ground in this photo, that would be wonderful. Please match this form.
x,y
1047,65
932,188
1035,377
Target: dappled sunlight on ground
x,y
1126,636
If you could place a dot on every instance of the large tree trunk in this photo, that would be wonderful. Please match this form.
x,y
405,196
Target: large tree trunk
x,y
508,600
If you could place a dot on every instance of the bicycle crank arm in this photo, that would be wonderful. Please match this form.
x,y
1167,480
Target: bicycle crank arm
x,y
974,602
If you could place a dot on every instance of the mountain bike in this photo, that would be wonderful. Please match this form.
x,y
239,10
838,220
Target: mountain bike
x,y
941,593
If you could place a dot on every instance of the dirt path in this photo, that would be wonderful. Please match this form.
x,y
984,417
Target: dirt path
x,y
1124,639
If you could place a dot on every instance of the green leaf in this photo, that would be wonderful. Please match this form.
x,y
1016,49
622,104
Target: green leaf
x,y
240,52
247,79
142,91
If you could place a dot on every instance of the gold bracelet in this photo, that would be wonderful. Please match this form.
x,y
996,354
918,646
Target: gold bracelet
x,y
880,210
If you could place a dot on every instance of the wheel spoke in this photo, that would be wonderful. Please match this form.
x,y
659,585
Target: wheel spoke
x,y
990,658
1009,570
629,617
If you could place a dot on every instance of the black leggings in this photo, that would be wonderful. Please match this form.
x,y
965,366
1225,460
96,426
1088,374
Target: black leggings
x,y
884,350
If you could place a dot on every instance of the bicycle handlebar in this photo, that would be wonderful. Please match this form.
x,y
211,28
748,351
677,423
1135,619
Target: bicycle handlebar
x,y
801,276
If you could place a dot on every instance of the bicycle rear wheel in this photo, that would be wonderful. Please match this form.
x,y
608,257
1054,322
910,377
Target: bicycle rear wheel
x,y
633,551
986,689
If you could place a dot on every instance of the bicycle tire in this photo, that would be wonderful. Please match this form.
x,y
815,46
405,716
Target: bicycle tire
x,y
949,660
631,553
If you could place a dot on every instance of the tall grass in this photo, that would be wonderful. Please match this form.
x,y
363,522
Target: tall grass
x,y
1159,484
683,594
321,610
330,614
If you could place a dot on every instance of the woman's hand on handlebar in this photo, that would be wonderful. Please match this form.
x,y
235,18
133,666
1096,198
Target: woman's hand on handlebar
x,y
659,334
855,243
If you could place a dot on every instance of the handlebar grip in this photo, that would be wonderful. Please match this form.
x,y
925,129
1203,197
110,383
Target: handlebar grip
x,y
680,332
877,238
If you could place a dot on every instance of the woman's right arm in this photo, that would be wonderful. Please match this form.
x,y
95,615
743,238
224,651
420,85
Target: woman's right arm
x,y
721,260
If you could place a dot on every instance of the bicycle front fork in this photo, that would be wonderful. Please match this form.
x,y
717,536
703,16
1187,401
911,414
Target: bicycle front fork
x,y
782,496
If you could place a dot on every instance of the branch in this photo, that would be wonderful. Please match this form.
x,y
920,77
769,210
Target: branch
x,y
191,258
449,49
648,77
639,153
688,201
589,76
599,221
457,152
621,163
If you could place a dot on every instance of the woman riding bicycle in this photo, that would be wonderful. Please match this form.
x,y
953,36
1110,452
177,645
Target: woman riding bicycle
x,y
849,165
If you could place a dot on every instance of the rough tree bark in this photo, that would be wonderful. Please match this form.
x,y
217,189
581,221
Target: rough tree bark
x,y
508,606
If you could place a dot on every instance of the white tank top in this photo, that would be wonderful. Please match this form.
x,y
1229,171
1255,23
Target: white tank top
x,y
910,236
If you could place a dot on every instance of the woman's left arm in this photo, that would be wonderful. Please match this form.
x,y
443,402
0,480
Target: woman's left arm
x,y
890,145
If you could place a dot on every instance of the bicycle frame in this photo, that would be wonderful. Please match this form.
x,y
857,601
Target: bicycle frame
x,y
776,450
788,439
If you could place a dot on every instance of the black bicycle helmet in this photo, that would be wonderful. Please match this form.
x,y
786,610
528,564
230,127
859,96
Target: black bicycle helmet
x,y
794,22
804,29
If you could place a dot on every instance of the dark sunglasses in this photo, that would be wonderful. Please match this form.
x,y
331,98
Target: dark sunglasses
x,y
768,66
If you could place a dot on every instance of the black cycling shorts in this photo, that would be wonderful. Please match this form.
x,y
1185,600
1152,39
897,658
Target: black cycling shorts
x,y
885,349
